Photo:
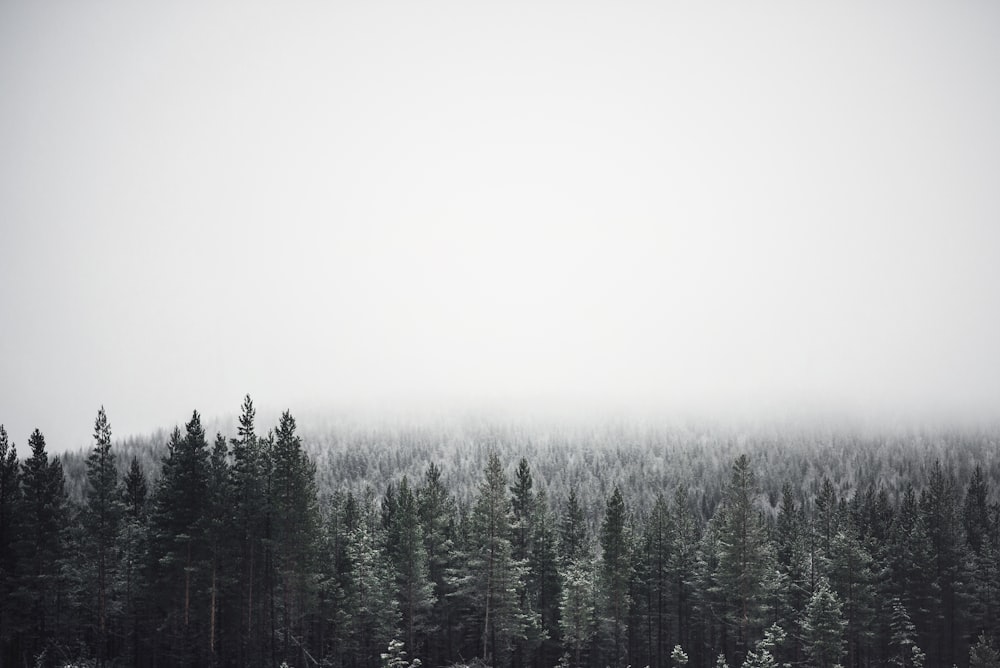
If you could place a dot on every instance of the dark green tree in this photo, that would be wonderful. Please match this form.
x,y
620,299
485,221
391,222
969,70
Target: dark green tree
x,y
41,595
437,509
101,519
615,579
573,539
415,591
823,628
10,496
179,546
744,555
133,545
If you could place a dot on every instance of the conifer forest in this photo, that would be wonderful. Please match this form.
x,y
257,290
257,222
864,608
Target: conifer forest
x,y
492,545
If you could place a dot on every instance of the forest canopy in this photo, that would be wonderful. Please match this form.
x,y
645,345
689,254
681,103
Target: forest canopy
x,y
502,544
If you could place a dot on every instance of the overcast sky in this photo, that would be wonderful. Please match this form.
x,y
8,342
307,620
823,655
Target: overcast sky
x,y
670,205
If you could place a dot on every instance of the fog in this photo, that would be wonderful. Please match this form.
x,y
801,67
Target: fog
x,y
659,207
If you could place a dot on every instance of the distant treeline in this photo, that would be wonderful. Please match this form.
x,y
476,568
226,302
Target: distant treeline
x,y
502,546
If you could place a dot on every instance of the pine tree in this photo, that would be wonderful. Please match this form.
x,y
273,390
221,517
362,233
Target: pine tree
x,y
249,481
682,564
524,511
545,583
905,652
656,585
823,628
941,508
101,523
572,530
415,591
179,548
40,595
762,656
983,556
853,579
497,579
296,524
983,654
133,536
910,562
372,612
793,570
615,578
217,525
436,509
576,609
743,554
10,493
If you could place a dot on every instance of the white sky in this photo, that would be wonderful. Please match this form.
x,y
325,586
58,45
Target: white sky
x,y
671,205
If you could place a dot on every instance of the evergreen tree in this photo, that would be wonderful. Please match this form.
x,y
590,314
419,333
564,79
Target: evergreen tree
x,y
905,652
296,524
101,523
940,505
497,579
250,474
41,592
793,570
133,544
743,554
762,656
615,579
436,509
415,591
524,510
911,575
218,531
576,610
853,579
572,530
984,558
657,583
544,582
372,612
10,494
178,544
823,628
682,564
983,654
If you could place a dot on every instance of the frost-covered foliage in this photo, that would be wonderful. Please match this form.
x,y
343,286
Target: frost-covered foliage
x,y
504,546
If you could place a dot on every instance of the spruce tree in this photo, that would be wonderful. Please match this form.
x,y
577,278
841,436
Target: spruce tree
x,y
41,591
415,591
615,579
576,610
497,580
545,583
10,492
10,495
823,628
682,564
133,545
572,530
248,484
102,516
296,524
941,508
436,509
179,545
744,558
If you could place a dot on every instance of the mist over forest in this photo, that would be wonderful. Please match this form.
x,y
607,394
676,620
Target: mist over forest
x,y
481,542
